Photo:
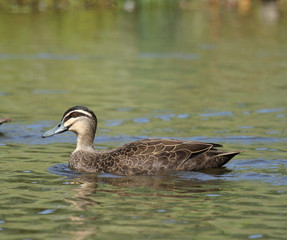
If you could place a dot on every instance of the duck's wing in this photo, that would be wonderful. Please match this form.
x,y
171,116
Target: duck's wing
x,y
166,147
150,156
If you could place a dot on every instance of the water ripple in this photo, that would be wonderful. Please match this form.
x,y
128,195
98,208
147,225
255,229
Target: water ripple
x,y
49,91
270,110
217,114
46,56
175,55
239,139
141,120
32,134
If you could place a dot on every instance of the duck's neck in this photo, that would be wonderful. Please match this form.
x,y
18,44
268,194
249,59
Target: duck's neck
x,y
85,142
85,131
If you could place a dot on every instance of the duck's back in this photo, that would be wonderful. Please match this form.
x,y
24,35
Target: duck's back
x,y
151,156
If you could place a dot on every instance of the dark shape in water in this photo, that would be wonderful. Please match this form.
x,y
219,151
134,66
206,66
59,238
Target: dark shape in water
x,y
142,157
4,120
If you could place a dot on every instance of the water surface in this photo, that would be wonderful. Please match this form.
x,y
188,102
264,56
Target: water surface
x,y
207,73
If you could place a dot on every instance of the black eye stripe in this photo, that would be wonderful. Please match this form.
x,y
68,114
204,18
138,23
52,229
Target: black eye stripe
x,y
82,109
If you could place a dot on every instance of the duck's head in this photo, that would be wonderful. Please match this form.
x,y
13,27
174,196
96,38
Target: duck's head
x,y
78,119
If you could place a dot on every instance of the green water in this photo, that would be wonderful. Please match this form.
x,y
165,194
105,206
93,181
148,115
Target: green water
x,y
211,73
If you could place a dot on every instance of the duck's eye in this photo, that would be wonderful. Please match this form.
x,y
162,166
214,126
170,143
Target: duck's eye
x,y
75,115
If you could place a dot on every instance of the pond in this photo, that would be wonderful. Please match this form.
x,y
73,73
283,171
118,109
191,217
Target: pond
x,y
209,72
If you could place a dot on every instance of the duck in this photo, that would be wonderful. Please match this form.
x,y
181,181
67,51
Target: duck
x,y
4,120
150,156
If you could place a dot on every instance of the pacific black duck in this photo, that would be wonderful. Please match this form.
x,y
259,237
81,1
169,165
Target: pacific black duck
x,y
142,157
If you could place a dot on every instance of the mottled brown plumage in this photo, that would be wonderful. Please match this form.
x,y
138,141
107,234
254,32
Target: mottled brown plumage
x,y
142,157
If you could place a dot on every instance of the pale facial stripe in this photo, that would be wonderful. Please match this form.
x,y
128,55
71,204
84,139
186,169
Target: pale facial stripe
x,y
81,113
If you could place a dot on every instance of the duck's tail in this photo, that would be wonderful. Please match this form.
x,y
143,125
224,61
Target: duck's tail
x,y
209,159
224,157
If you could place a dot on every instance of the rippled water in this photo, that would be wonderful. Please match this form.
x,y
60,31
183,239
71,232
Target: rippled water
x,y
208,73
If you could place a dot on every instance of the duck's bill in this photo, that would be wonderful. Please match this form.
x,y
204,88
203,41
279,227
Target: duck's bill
x,y
56,130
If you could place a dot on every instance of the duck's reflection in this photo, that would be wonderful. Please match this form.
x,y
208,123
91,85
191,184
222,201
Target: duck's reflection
x,y
177,183
102,192
82,198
